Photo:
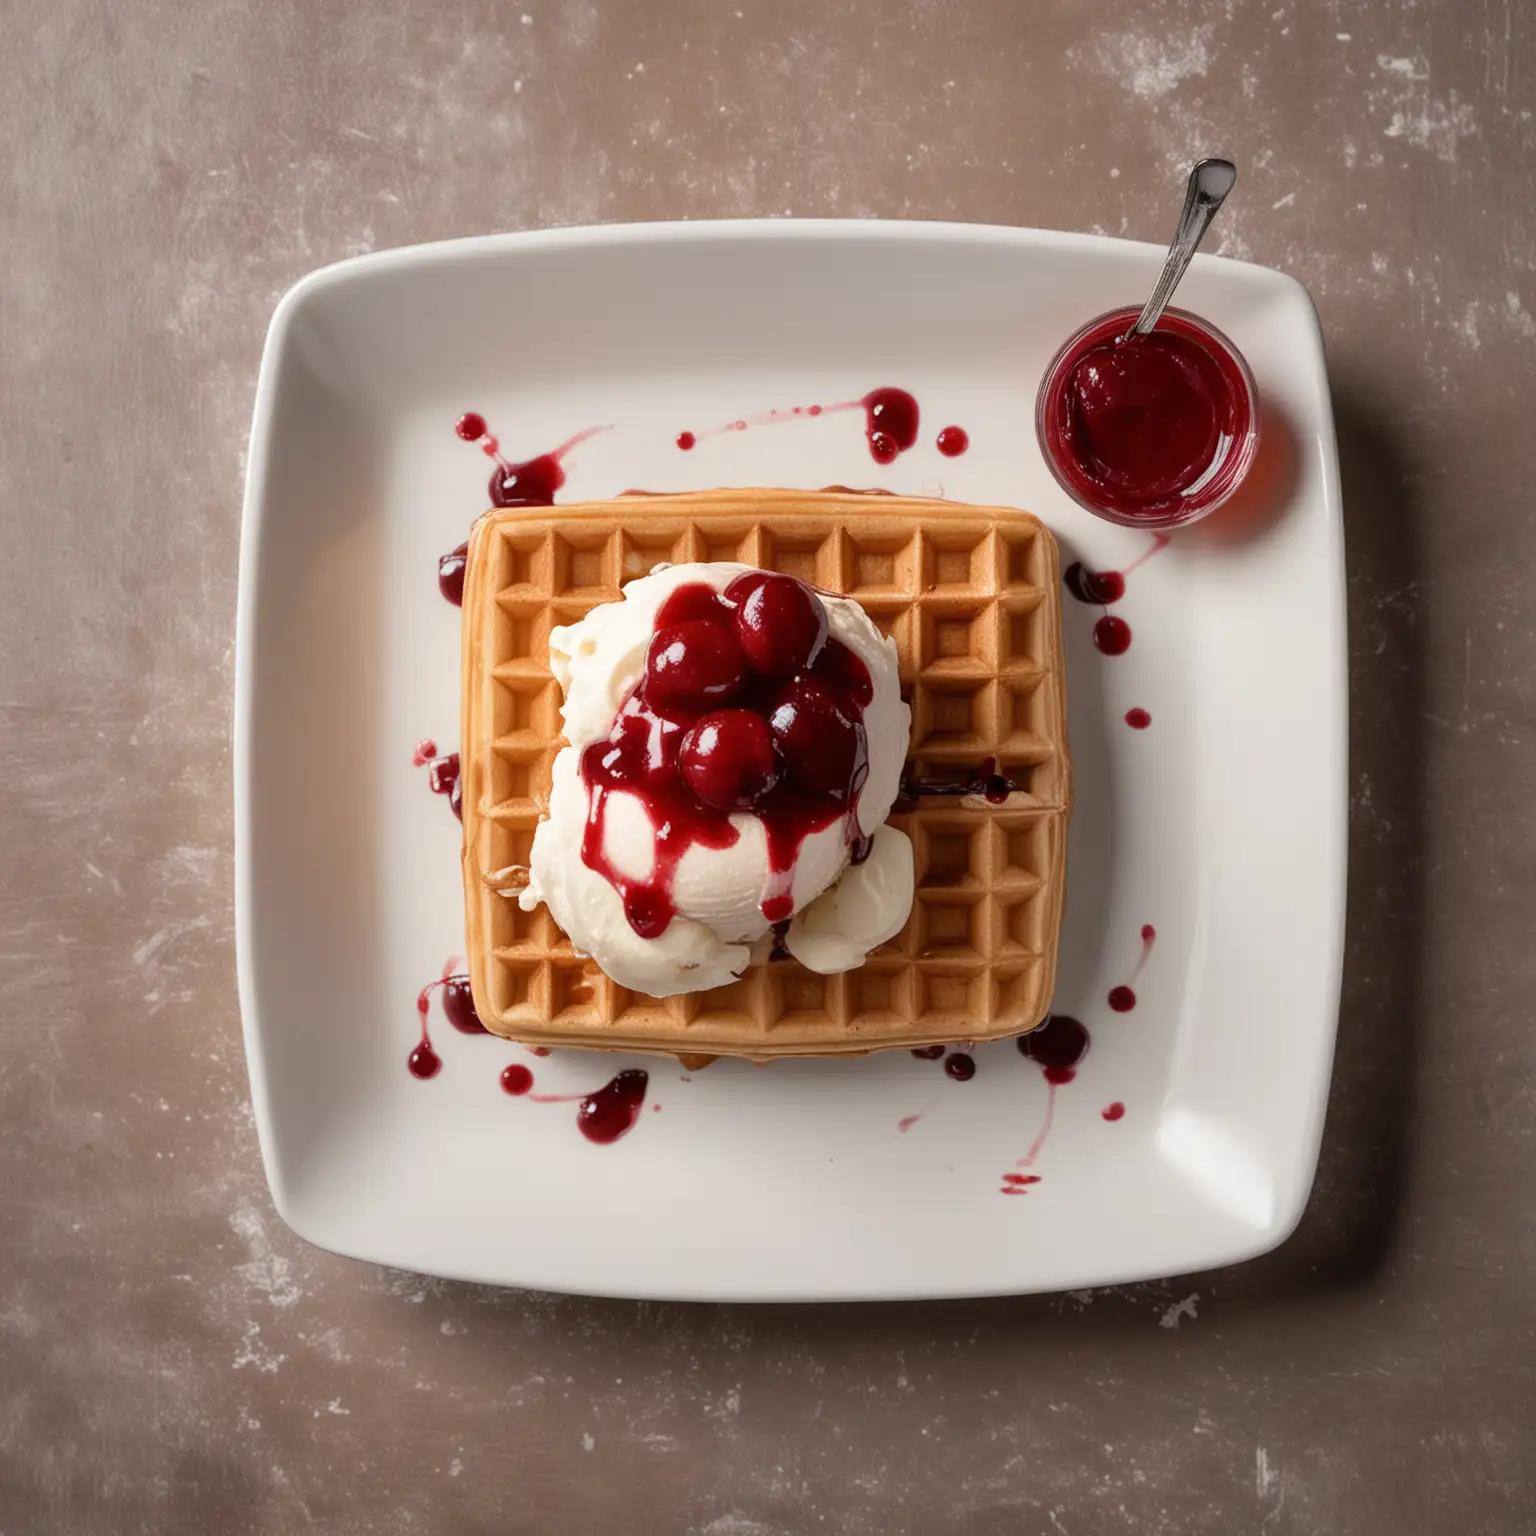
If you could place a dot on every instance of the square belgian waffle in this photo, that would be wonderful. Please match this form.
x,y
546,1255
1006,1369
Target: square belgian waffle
x,y
971,596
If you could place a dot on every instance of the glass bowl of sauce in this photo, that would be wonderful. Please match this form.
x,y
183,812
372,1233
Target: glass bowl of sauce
x,y
1149,431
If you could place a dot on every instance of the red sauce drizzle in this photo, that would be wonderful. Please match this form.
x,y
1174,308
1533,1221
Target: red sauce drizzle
x,y
605,1114
522,483
641,753
891,418
1123,998
1112,635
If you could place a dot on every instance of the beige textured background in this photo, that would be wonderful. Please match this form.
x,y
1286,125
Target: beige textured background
x,y
171,1359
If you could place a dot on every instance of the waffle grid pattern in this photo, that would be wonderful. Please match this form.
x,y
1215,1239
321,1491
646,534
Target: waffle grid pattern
x,y
970,596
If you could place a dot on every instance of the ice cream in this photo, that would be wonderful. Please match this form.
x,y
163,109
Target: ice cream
x,y
736,743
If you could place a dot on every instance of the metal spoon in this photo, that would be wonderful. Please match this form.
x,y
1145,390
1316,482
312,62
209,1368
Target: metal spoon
x,y
1209,183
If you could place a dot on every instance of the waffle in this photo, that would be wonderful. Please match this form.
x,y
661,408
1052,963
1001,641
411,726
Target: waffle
x,y
971,597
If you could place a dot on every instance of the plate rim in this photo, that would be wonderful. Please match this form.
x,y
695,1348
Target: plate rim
x,y
1331,609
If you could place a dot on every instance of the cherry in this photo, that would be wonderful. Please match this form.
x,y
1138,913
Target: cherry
x,y
822,748
727,759
780,622
692,667
694,600
843,671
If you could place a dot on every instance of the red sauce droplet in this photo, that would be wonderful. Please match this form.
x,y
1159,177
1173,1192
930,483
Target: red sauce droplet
x,y
961,1067
953,441
1112,635
458,1004
424,1062
890,422
450,574
1093,586
604,1115
929,1052
1115,1111
611,1112
426,750
1137,719
1123,998
530,483
1056,1047
443,779
1128,998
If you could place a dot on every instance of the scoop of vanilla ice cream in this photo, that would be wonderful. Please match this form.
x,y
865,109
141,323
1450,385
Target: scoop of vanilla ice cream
x,y
715,891
864,907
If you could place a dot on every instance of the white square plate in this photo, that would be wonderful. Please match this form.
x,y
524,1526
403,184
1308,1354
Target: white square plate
x,y
1222,825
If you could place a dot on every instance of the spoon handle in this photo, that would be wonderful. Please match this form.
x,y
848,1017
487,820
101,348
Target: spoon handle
x,y
1209,183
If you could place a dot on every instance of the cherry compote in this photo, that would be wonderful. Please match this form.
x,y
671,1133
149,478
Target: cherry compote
x,y
746,705
1153,430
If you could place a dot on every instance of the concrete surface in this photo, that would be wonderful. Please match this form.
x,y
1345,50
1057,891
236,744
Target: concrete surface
x,y
171,1358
